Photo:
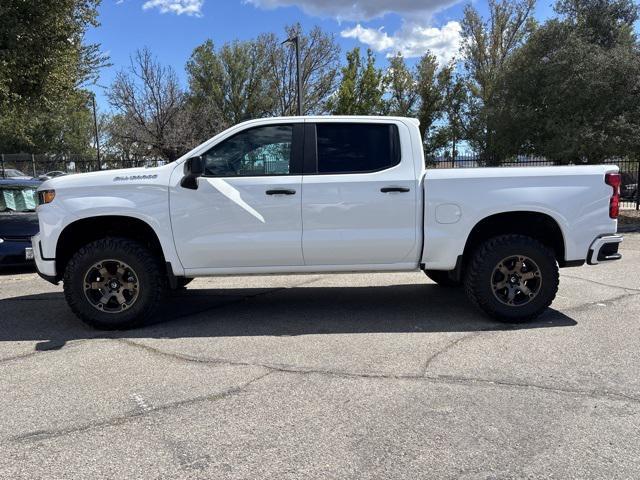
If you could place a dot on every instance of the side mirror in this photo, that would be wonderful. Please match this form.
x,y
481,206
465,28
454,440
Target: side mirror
x,y
193,168
195,165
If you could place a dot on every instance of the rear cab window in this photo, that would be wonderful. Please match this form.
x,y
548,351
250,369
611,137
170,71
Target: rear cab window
x,y
356,147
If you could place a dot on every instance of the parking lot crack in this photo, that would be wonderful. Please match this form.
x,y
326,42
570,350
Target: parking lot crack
x,y
39,435
602,302
19,357
596,394
184,357
44,347
445,349
602,284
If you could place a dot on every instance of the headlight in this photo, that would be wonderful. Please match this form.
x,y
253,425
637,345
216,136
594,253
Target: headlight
x,y
46,196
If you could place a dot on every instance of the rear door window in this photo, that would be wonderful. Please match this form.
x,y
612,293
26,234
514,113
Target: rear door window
x,y
356,147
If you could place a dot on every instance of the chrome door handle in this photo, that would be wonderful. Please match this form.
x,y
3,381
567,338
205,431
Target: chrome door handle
x,y
284,191
395,189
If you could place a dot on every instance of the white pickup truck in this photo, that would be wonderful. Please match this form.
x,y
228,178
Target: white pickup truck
x,y
321,194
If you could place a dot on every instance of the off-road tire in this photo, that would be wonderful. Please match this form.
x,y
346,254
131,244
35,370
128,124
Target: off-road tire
x,y
151,278
442,278
478,277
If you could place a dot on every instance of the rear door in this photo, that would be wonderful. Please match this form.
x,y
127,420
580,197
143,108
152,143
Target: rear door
x,y
359,194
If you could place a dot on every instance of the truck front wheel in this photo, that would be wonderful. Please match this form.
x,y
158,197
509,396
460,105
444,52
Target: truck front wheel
x,y
114,283
512,278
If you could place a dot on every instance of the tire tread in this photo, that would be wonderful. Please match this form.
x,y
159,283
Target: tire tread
x,y
472,274
149,263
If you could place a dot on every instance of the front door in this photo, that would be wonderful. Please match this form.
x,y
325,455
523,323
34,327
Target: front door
x,y
246,211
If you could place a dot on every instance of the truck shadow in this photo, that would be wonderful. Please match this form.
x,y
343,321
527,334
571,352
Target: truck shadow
x,y
410,308
5,271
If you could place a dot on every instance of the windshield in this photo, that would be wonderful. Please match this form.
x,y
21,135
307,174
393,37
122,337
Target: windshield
x,y
12,172
19,198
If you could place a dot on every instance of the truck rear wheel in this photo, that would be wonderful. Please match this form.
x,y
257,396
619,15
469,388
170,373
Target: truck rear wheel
x,y
114,283
442,277
512,278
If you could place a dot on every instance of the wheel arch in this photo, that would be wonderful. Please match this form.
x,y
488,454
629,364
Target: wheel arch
x,y
85,230
541,226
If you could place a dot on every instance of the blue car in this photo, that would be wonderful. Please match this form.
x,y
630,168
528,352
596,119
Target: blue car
x,y
18,221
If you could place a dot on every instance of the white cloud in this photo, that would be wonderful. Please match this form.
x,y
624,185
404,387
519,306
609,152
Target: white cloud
x,y
359,10
179,7
412,40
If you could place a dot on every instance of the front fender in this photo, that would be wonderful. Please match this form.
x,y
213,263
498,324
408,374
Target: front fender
x,y
146,202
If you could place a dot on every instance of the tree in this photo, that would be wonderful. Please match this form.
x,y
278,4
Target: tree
x,y
454,98
229,85
319,54
606,23
572,93
152,107
486,47
430,98
361,88
120,146
43,63
402,88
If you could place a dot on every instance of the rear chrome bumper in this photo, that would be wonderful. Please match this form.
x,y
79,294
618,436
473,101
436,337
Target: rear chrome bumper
x,y
604,249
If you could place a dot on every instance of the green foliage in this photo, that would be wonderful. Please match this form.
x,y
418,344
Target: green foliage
x,y
257,78
430,97
402,88
486,47
607,23
43,62
572,93
229,85
453,91
568,89
361,88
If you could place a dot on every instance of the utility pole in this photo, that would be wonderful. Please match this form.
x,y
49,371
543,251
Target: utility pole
x,y
95,127
295,41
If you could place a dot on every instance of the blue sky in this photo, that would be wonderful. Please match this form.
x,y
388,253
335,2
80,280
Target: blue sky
x,y
173,28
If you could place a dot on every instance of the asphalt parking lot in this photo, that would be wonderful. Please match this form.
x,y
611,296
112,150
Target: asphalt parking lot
x,y
353,376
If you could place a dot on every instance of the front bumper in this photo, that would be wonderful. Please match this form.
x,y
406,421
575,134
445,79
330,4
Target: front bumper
x,y
13,253
604,249
46,266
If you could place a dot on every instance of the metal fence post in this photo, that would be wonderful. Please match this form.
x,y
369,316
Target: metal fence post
x,y
638,185
2,164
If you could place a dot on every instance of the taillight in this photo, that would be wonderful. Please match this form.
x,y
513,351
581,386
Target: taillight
x,y
615,180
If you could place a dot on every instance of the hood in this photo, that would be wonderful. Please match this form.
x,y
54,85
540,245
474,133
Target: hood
x,y
124,176
18,224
